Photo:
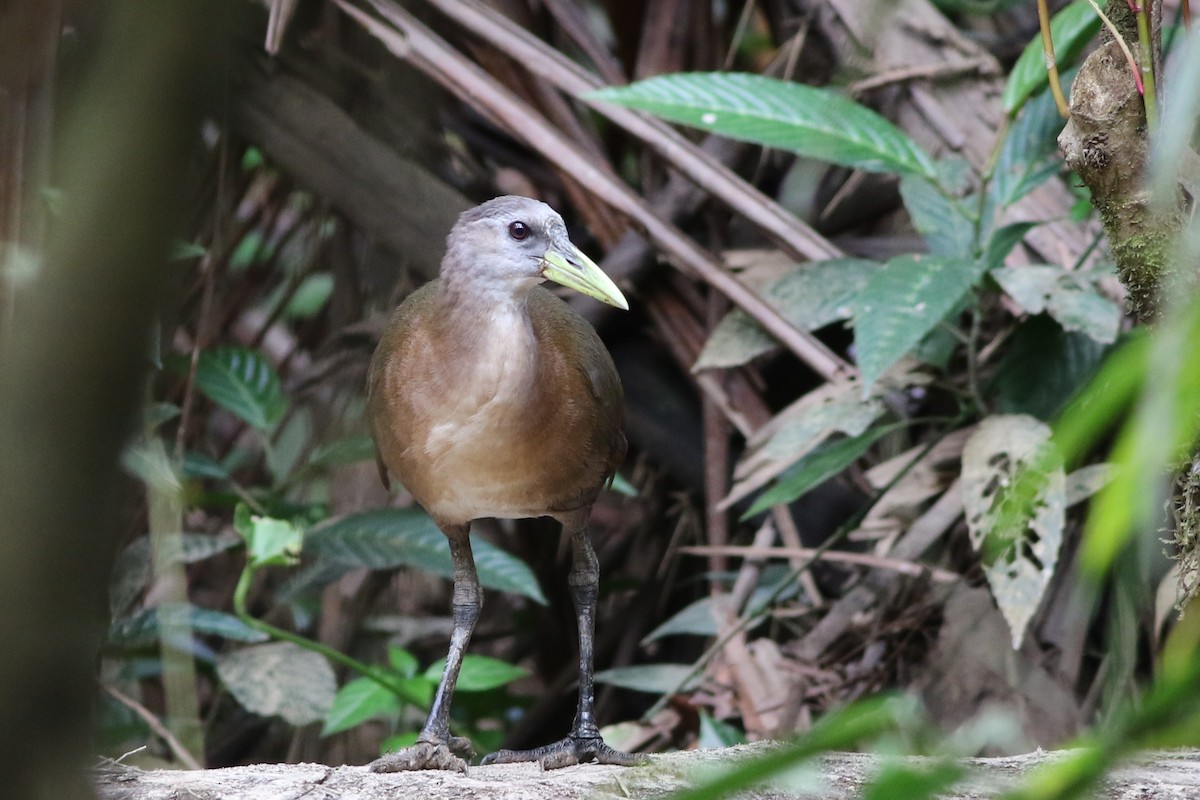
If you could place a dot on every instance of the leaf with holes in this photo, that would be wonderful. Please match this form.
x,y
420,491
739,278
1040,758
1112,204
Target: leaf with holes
x,y
391,537
816,123
1014,496
280,679
241,381
901,303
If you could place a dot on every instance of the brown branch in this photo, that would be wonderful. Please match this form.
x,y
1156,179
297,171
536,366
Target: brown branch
x,y
724,184
859,559
155,725
417,45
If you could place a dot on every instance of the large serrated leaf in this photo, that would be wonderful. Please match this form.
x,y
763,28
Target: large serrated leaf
x,y
393,537
811,297
280,679
812,122
1070,30
242,382
1014,496
901,303
1070,297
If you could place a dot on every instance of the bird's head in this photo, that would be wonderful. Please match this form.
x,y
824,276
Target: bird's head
x,y
517,241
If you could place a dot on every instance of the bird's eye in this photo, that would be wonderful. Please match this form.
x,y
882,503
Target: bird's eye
x,y
519,231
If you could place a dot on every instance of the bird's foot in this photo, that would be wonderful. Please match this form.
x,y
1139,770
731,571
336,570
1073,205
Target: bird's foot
x,y
571,750
427,754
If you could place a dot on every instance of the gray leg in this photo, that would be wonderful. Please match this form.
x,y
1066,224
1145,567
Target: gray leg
x,y
584,743
435,747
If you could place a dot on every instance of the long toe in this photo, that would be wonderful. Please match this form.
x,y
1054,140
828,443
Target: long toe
x,y
565,753
422,755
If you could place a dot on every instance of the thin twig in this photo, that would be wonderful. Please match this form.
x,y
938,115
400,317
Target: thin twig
x,y
1120,40
1051,64
155,725
860,559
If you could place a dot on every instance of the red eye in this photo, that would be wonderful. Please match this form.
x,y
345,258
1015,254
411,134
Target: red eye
x,y
519,231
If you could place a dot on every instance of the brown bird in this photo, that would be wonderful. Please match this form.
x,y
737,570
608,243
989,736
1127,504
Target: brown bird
x,y
489,397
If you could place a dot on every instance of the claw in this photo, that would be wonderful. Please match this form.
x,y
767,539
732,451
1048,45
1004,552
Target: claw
x,y
571,750
427,755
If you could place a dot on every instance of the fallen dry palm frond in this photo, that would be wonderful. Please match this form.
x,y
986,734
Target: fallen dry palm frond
x,y
410,40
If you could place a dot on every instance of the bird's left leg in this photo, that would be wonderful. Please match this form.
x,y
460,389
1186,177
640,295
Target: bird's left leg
x,y
435,747
584,743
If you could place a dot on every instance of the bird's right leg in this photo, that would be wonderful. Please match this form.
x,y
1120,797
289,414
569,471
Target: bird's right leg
x,y
435,747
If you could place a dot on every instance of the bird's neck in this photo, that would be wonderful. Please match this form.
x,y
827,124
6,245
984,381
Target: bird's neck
x,y
494,334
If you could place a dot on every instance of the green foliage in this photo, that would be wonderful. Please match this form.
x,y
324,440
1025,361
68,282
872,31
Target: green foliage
x,y
389,537
241,381
479,673
1071,29
817,467
816,123
655,678
901,303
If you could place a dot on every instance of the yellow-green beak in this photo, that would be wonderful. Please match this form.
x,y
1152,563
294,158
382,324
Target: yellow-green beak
x,y
566,264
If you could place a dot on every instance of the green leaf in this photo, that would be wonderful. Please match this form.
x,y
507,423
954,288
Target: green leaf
x,y
1070,297
621,485
280,679
182,251
347,450
901,303
942,221
269,541
816,123
241,381
817,467
142,628
358,701
655,678
1070,29
310,297
479,673
811,297
715,734
696,618
845,729
1029,154
398,742
1014,497
914,781
198,465
1003,241
402,661
391,537
1043,368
